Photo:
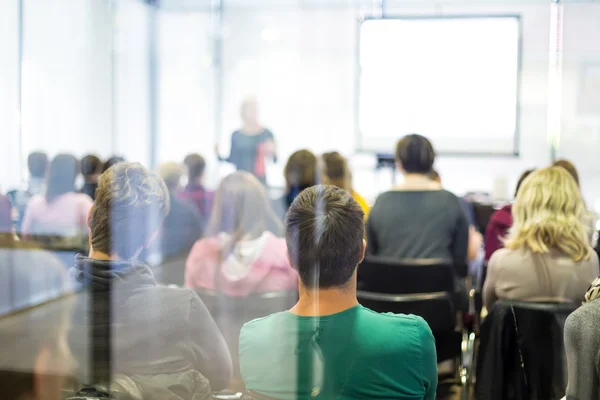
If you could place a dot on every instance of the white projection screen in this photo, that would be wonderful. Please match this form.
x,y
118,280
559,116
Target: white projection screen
x,y
454,80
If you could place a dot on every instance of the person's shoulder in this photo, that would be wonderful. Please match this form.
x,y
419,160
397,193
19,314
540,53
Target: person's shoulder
x,y
501,255
400,320
263,324
585,319
37,200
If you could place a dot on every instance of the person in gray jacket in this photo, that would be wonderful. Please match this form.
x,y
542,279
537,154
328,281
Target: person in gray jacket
x,y
154,333
582,345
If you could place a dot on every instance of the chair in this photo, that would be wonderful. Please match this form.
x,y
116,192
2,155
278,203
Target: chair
x,y
521,354
424,287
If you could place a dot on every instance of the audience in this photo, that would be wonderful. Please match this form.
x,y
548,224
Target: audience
x,y
418,219
194,191
582,346
337,173
327,345
500,223
244,248
37,163
547,256
301,171
28,275
60,211
184,224
91,168
161,336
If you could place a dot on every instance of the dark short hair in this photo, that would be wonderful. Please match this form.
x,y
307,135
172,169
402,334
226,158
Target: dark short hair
x,y
301,169
129,208
569,166
337,170
324,234
415,153
37,163
112,161
196,165
524,175
91,165
62,173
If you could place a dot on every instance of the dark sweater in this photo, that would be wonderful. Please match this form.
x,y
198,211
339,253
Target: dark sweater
x,y
418,224
155,330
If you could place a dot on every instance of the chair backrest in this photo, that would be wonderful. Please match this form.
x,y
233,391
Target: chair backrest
x,y
422,287
521,353
407,276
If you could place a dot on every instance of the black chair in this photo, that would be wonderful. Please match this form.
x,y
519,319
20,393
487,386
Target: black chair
x,y
424,287
521,354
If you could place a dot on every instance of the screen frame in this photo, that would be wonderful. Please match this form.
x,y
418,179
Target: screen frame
x,y
358,71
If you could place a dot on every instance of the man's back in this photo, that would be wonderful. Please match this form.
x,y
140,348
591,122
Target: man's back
x,y
355,354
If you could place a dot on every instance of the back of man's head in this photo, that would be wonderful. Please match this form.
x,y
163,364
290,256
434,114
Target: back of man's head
x,y
324,235
195,164
130,205
37,163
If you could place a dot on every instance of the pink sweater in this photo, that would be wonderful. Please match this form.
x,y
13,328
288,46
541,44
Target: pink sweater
x,y
66,215
256,266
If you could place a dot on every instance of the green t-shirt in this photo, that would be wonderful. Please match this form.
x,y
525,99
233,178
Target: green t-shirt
x,y
355,354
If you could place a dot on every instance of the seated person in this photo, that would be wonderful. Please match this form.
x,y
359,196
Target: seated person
x,y
60,211
500,223
328,345
194,191
244,248
91,168
157,332
546,256
184,224
337,173
37,164
475,250
582,346
301,171
418,219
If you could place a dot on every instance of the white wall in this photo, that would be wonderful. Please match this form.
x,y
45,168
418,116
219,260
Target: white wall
x,y
66,104
9,101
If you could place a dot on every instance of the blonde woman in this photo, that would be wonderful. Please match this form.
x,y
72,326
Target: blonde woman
x,y
547,256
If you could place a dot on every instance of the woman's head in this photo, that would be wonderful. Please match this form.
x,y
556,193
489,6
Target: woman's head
x,y
242,209
249,110
61,176
547,215
301,170
336,170
415,154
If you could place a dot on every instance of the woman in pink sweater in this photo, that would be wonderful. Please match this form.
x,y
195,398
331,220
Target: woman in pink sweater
x,y
244,252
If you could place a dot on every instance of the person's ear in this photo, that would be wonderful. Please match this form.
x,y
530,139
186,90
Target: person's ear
x,y
89,217
399,166
363,251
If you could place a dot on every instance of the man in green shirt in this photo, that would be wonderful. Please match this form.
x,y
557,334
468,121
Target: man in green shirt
x,y
328,346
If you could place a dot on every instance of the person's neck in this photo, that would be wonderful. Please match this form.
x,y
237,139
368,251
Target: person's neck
x,y
101,256
252,128
319,302
414,181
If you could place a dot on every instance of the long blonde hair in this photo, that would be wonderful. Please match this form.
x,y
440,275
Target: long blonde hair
x,y
547,214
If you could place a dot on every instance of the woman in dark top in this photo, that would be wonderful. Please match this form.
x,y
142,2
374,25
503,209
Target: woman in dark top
x,y
251,144
418,219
